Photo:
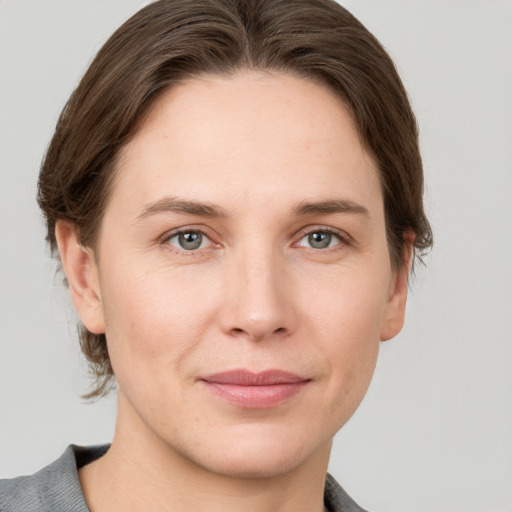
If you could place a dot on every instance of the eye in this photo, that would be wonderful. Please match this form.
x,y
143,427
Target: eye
x,y
189,240
320,239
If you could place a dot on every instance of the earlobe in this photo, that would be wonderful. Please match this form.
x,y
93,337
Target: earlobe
x,y
82,274
395,310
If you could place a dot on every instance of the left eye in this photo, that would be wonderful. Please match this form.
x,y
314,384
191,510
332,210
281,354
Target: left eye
x,y
319,240
189,240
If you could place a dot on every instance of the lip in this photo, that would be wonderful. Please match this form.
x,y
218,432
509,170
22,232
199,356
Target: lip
x,y
255,390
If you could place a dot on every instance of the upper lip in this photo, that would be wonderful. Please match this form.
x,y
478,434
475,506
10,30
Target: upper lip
x,y
242,377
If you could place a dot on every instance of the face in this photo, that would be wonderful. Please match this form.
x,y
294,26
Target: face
x,y
242,274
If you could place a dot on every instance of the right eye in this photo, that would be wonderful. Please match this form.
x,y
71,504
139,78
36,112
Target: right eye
x,y
189,240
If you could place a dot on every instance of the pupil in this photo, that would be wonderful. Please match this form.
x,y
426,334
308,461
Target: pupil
x,y
191,240
319,240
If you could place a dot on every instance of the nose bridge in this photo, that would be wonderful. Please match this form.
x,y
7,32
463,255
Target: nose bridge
x,y
260,305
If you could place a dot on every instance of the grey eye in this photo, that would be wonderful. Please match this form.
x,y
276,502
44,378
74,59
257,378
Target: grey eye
x,y
188,240
319,240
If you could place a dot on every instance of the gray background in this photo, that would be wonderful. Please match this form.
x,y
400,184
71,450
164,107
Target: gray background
x,y
435,430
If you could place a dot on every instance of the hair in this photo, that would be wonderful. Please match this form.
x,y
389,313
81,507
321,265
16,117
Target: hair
x,y
170,41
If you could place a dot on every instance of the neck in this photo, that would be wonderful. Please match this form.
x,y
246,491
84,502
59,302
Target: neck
x,y
141,472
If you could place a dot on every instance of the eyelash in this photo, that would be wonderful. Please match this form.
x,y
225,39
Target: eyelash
x,y
343,240
165,240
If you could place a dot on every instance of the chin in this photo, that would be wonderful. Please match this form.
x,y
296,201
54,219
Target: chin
x,y
250,465
261,455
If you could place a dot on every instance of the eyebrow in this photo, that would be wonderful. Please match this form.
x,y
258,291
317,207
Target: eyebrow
x,y
330,207
205,209
177,205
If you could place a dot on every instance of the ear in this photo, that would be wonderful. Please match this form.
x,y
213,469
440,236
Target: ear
x,y
395,308
82,274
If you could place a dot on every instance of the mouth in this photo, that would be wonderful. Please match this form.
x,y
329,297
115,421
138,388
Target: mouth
x,y
255,390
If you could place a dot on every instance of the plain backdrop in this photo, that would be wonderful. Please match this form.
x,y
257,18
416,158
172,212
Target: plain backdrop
x,y
434,432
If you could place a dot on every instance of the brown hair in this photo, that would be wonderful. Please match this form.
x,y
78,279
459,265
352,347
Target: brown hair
x,y
171,40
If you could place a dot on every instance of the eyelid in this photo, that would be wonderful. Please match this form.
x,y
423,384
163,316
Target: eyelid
x,y
344,237
164,239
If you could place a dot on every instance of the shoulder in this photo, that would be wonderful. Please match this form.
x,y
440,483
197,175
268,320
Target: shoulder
x,y
336,499
56,487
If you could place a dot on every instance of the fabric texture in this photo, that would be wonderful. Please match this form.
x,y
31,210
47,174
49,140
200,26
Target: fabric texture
x,y
56,487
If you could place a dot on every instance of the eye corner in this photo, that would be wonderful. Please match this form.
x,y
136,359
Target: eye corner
x,y
188,241
324,242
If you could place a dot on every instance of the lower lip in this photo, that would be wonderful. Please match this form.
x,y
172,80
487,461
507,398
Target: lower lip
x,y
256,397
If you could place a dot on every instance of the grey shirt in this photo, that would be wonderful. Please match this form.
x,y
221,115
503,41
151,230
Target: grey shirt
x,y
56,487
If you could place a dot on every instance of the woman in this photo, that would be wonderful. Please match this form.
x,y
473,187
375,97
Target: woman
x,y
235,193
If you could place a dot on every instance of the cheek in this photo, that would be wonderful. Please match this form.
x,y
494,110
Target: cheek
x,y
348,307
153,322
346,318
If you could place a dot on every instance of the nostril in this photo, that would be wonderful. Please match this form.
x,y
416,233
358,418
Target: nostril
x,y
255,334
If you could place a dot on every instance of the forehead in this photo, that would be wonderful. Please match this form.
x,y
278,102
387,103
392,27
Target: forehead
x,y
250,136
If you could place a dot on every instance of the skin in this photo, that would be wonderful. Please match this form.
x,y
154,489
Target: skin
x,y
255,295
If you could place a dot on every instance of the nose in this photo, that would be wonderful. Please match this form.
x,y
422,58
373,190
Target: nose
x,y
259,298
